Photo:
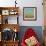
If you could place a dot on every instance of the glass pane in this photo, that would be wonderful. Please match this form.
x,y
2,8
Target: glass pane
x,y
12,20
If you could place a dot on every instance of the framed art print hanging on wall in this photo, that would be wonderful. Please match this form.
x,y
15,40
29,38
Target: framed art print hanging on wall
x,y
30,13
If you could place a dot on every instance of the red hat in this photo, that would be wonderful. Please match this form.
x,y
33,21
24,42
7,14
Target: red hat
x,y
29,33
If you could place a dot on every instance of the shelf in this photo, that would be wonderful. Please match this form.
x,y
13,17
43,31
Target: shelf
x,y
7,23
11,41
10,26
9,11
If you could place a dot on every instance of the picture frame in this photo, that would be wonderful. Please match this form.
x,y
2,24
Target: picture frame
x,y
5,12
29,13
13,12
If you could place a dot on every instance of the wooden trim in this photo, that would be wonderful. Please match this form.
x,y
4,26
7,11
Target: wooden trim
x,y
1,8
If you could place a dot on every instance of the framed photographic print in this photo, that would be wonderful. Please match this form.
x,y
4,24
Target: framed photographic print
x,y
30,13
12,12
5,12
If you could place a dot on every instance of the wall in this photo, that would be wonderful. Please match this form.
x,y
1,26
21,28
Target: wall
x,y
34,3
26,3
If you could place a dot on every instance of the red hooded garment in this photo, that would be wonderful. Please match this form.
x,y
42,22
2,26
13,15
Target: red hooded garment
x,y
29,33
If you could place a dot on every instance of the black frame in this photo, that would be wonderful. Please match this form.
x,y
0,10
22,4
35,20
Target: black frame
x,y
35,14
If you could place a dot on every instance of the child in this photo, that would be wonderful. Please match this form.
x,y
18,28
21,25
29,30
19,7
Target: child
x,y
30,38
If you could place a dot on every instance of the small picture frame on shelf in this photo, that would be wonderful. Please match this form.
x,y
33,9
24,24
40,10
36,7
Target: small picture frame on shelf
x,y
12,12
30,13
5,12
